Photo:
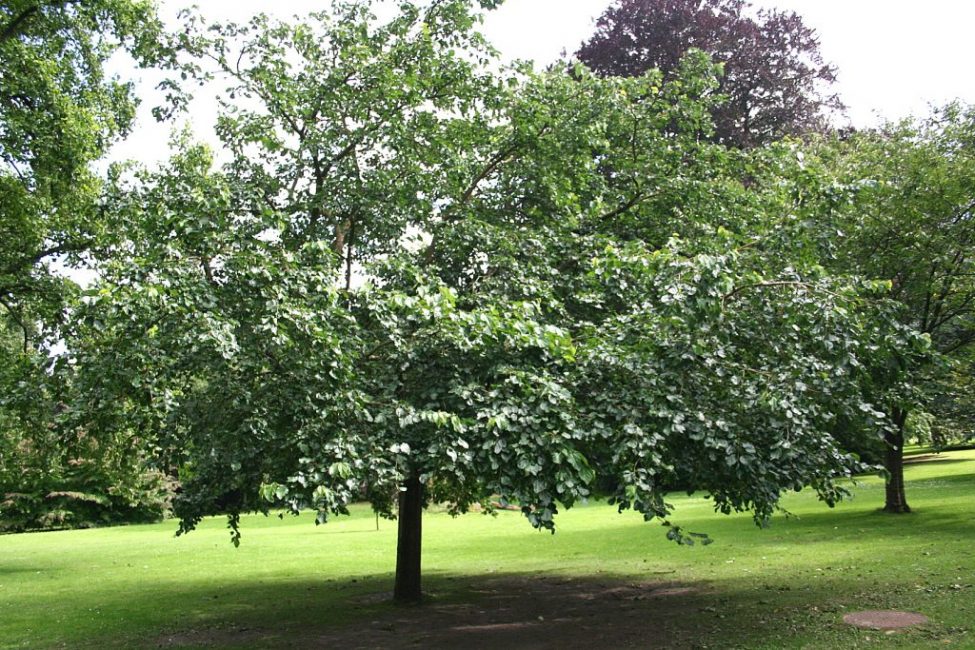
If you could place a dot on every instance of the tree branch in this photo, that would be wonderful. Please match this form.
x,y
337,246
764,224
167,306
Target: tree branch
x,y
38,256
207,270
492,165
13,27
775,283
496,161
18,319
639,197
348,255
962,341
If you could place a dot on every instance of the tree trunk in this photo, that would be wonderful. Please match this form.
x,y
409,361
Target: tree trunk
x,y
407,589
896,499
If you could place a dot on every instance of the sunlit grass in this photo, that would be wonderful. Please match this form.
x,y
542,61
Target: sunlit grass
x,y
121,587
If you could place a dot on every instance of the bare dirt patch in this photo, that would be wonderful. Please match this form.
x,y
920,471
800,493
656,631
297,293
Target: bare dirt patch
x,y
506,612
884,620
212,637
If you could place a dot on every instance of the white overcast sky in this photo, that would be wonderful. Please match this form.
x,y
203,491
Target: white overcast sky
x,y
895,57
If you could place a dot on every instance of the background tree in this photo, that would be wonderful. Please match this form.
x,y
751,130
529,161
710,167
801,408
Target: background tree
x,y
59,112
774,78
950,405
558,280
911,224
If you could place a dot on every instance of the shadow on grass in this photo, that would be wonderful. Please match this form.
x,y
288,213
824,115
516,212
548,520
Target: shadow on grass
x,y
491,610
850,524
13,570
966,481
924,521
503,610
517,610
471,611
927,459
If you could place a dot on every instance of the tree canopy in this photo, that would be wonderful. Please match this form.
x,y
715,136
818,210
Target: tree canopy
x,y
773,74
59,112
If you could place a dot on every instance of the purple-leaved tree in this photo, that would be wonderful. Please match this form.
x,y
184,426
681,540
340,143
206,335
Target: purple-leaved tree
x,y
775,79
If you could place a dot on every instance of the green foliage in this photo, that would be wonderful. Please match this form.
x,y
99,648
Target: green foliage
x,y
950,415
53,476
60,112
420,263
904,217
913,184
83,492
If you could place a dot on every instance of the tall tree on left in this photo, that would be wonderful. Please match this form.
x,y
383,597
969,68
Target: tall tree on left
x,y
59,113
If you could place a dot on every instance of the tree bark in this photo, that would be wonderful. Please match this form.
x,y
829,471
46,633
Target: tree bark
x,y
896,498
407,588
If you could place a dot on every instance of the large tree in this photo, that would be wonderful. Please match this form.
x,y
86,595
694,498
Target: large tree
x,y
774,78
425,277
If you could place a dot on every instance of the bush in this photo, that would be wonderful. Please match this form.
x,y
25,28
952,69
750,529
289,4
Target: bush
x,y
48,489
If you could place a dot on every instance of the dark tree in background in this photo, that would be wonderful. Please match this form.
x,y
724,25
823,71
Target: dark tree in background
x,y
775,79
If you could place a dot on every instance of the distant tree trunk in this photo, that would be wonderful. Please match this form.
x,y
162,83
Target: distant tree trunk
x,y
896,499
407,589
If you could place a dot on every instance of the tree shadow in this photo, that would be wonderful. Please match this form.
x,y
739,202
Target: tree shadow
x,y
850,525
492,610
505,610
955,480
519,610
13,570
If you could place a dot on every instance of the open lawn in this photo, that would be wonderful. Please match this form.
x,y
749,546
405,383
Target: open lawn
x,y
603,580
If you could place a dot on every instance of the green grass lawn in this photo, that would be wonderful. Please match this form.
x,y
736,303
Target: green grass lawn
x,y
786,586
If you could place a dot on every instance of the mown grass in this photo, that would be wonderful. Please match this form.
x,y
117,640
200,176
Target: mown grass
x,y
786,586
